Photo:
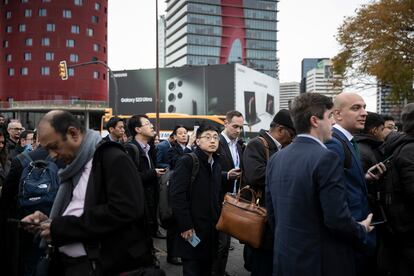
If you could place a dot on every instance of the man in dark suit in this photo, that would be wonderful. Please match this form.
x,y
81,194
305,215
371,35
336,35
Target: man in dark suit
x,y
116,129
255,157
162,151
97,221
306,199
142,132
350,116
231,163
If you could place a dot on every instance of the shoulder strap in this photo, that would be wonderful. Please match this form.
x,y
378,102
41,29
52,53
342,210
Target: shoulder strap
x,y
266,146
347,151
133,152
196,166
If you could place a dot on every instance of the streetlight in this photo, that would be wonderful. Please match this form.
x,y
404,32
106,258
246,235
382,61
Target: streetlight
x,y
157,75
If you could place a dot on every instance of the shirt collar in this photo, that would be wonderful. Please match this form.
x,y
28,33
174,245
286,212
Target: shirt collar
x,y
313,138
278,145
228,140
144,147
345,132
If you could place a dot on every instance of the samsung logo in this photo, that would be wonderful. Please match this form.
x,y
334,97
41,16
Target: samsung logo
x,y
121,75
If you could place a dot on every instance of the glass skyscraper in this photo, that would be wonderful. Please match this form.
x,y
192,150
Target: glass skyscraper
x,y
205,32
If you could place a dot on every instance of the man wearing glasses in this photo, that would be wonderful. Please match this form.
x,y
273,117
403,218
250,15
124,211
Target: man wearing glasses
x,y
231,163
14,128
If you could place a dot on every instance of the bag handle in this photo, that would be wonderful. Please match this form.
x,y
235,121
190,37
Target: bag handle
x,y
247,188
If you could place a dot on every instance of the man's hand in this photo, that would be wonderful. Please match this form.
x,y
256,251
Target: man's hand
x,y
187,234
375,172
36,217
366,223
233,174
45,231
160,172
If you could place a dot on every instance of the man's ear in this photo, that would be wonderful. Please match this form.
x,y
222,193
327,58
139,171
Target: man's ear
x,y
197,142
73,132
313,121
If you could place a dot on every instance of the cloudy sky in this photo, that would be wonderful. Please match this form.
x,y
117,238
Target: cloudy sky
x,y
307,29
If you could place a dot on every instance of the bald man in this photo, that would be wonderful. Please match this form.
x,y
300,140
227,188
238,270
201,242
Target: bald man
x,y
350,115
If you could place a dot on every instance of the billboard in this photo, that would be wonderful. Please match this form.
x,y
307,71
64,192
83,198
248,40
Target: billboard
x,y
199,90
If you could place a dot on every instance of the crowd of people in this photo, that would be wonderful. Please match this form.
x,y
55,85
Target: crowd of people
x,y
337,182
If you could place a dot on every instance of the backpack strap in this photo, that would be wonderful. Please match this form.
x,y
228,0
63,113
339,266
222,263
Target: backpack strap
x,y
133,152
347,151
24,159
266,146
196,166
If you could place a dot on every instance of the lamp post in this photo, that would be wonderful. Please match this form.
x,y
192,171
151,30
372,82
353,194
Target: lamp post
x,y
157,75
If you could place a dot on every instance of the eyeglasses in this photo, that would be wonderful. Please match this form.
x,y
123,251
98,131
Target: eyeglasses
x,y
209,138
146,124
17,129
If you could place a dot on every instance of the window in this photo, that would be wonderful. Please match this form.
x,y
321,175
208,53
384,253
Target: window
x,y
71,72
9,29
74,58
29,41
97,6
70,43
45,1
45,41
96,47
74,29
22,28
5,44
27,13
8,57
67,14
11,71
89,32
42,12
27,56
8,14
6,2
95,19
78,2
49,56
50,27
23,1
45,71
96,75
24,71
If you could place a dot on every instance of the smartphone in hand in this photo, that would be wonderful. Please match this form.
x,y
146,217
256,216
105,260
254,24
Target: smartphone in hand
x,y
23,223
194,240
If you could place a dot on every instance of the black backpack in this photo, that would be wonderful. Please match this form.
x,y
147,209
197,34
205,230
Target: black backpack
x,y
165,212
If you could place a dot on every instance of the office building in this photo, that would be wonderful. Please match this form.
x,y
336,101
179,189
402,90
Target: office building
x,y
207,32
388,105
161,41
288,91
308,64
321,79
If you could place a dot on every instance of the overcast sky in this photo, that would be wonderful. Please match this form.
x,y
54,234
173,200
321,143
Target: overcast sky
x,y
307,29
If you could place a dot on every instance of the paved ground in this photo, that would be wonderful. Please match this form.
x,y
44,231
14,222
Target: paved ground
x,y
234,265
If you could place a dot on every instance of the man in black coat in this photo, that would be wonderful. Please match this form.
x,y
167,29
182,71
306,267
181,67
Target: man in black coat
x,y
231,164
142,132
116,129
97,221
196,206
255,157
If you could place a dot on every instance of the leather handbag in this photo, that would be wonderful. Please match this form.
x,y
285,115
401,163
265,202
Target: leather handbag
x,y
245,220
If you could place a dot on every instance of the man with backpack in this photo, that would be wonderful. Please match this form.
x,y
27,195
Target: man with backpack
x,y
97,223
398,198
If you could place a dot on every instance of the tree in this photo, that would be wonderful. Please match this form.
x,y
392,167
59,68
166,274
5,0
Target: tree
x,y
379,41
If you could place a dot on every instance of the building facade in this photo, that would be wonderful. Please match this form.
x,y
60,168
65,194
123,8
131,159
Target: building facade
x,y
207,32
322,80
288,91
36,35
388,105
308,64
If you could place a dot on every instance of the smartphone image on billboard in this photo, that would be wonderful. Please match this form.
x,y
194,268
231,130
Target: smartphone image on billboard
x,y
270,104
250,108
185,94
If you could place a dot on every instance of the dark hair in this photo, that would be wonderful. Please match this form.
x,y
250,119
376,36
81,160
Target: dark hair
x,y
3,151
307,105
25,133
407,118
204,128
373,120
62,120
135,121
113,122
176,128
388,118
233,113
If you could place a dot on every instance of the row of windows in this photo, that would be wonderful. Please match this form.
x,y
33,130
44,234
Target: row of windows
x,y
45,71
197,60
258,54
261,64
42,12
204,19
204,40
265,35
203,50
260,5
50,27
49,56
205,30
257,14
97,5
260,24
261,44
45,41
203,8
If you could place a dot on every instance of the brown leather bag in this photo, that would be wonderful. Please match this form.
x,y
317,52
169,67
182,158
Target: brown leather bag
x,y
242,219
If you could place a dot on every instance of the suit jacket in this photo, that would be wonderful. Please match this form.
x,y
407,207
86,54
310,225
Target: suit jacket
x,y
306,200
357,192
147,173
113,218
227,163
196,205
162,151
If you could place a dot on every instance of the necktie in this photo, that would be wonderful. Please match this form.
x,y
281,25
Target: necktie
x,y
355,145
